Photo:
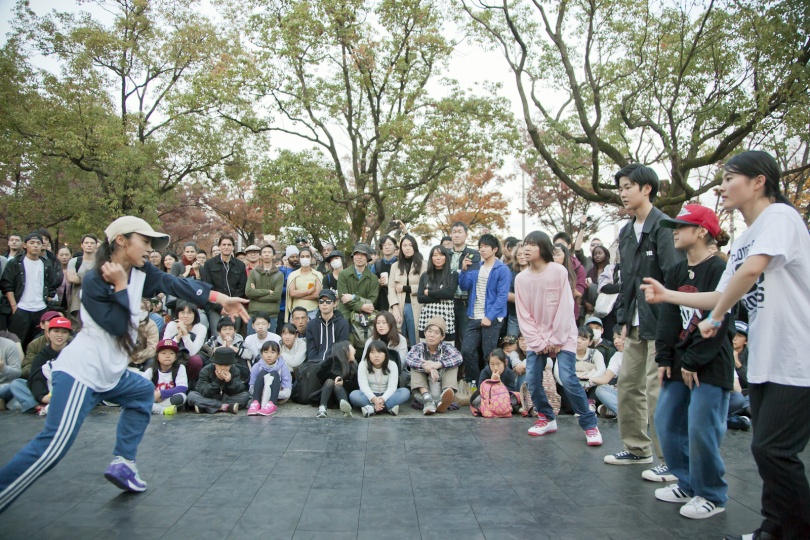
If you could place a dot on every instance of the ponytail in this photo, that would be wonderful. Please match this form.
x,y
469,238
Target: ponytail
x,y
753,163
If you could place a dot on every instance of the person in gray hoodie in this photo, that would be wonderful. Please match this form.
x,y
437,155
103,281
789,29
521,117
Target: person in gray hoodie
x,y
326,329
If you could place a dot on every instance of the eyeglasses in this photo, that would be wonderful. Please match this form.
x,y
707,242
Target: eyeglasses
x,y
325,301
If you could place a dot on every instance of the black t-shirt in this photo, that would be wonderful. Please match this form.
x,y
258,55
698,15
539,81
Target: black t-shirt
x,y
678,342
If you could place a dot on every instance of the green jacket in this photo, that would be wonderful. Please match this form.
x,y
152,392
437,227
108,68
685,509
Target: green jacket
x,y
366,288
264,289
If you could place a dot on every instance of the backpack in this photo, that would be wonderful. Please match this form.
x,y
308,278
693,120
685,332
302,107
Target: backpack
x,y
495,399
306,389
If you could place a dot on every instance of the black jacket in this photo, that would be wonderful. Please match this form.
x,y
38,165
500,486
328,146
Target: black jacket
x,y
37,382
321,335
13,278
675,346
476,259
211,386
228,278
331,368
653,257
436,291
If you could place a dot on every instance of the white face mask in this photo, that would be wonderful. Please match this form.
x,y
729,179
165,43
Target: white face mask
x,y
143,316
336,263
305,262
597,335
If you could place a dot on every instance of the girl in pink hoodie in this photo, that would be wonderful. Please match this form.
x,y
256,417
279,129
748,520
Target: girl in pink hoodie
x,y
545,309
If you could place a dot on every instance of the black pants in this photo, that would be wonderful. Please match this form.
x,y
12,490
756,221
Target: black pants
x,y
25,325
327,390
781,417
460,311
258,387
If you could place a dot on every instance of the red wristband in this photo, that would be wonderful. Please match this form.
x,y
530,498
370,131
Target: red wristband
x,y
213,296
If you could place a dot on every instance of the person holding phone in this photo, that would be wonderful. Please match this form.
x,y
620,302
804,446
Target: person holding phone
x,y
458,237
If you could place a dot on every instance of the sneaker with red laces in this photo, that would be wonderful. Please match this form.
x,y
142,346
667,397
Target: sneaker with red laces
x,y
593,437
268,409
542,426
253,410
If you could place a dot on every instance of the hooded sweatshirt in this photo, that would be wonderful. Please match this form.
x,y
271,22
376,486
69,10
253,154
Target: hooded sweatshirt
x,y
261,368
321,335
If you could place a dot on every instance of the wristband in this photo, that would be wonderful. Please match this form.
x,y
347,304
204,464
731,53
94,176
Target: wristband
x,y
213,296
713,322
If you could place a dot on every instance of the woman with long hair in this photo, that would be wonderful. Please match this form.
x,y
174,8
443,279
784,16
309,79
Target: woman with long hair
x,y
437,288
93,367
403,284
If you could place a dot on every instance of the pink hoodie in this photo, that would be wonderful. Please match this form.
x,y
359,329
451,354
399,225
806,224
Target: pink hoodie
x,y
545,308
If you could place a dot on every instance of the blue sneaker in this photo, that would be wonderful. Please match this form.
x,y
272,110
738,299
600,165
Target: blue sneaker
x,y
124,474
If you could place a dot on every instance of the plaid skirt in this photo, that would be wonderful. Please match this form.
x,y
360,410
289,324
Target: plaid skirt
x,y
443,309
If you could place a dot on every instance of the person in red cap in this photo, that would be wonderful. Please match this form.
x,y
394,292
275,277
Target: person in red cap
x,y
39,342
696,375
169,378
35,393
93,367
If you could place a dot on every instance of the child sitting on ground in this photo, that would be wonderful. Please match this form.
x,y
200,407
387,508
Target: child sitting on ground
x,y
590,362
270,381
169,378
254,342
338,377
220,387
142,359
377,377
498,369
605,391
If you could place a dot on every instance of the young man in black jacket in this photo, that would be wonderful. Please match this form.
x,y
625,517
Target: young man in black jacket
x,y
458,236
646,250
227,275
29,284
326,329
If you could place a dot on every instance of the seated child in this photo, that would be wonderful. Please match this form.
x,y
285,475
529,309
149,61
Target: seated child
x,y
220,387
590,362
226,336
270,381
602,345
378,377
516,356
498,369
169,378
293,348
605,386
261,326
35,393
338,377
143,358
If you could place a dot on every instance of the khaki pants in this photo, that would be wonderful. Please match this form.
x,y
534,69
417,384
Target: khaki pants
x,y
447,377
638,395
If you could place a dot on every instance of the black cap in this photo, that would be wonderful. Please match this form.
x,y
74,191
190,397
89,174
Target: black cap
x,y
224,356
362,247
328,293
334,255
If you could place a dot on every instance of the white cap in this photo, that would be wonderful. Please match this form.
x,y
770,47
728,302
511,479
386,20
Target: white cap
x,y
291,250
252,247
132,224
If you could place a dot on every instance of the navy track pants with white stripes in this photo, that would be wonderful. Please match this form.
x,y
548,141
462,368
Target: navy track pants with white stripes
x,y
71,402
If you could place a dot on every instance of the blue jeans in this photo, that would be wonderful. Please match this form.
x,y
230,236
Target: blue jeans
x,y
690,426
512,328
408,326
608,396
566,363
736,403
400,397
71,402
19,388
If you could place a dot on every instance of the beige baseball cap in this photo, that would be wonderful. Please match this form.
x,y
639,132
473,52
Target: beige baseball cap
x,y
132,224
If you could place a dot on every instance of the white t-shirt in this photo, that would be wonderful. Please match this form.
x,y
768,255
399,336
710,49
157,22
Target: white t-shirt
x,y
615,363
779,304
32,298
165,381
254,344
481,291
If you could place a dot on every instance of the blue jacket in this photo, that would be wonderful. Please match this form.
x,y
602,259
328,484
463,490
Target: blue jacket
x,y
500,279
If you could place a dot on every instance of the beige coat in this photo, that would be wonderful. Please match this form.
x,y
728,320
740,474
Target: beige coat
x,y
395,278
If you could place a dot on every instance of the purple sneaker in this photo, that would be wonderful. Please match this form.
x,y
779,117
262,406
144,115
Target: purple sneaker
x,y
124,474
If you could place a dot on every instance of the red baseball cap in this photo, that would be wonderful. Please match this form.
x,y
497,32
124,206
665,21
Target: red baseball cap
x,y
60,322
167,344
48,315
696,216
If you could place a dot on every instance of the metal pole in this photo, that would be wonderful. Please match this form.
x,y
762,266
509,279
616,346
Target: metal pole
x,y
523,199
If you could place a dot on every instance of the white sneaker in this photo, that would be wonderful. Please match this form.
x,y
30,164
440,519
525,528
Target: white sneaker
x,y
321,412
430,407
346,407
367,411
659,474
394,411
672,493
593,437
700,508
542,426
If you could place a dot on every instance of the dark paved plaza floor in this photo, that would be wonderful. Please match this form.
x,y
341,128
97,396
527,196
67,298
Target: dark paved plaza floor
x,y
225,476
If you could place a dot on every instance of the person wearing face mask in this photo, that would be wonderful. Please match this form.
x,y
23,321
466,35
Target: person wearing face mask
x,y
601,345
304,285
334,264
142,358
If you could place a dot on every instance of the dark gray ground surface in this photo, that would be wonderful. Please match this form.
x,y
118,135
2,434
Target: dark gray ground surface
x,y
440,477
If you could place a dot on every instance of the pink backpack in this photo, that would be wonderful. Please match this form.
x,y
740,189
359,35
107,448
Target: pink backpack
x,y
495,399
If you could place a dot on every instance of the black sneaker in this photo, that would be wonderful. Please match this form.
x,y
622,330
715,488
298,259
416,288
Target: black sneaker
x,y
626,458
743,423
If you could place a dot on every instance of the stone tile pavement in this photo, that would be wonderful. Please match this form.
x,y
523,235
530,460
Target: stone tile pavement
x,y
411,477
